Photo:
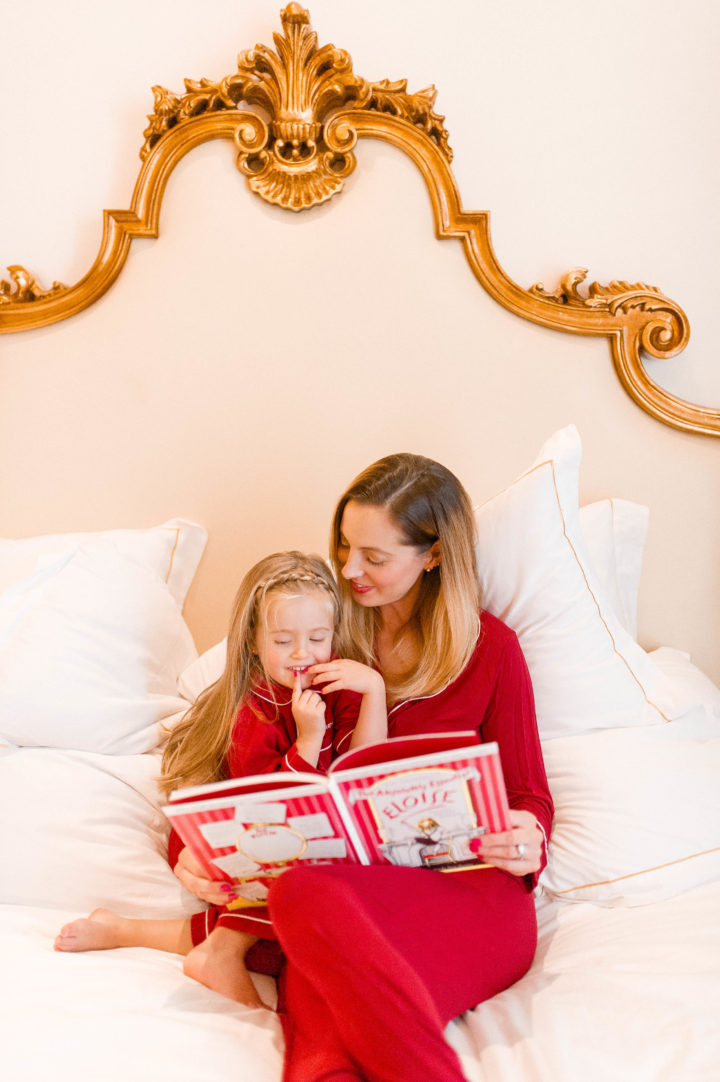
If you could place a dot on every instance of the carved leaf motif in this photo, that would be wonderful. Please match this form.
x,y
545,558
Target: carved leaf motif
x,y
23,287
417,108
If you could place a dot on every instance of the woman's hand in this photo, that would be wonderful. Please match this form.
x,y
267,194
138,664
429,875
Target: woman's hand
x,y
345,675
518,850
191,874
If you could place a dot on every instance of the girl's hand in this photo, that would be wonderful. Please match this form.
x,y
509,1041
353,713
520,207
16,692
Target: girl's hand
x,y
308,710
345,675
518,850
191,874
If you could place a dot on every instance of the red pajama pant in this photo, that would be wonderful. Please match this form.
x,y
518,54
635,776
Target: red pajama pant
x,y
380,959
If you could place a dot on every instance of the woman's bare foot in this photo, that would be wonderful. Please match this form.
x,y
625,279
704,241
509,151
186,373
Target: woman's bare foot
x,y
102,930
219,963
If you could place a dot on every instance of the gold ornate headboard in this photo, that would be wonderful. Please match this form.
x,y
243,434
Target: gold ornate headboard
x,y
295,115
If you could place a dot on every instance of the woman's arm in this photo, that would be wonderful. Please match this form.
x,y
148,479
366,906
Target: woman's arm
x,y
511,722
345,675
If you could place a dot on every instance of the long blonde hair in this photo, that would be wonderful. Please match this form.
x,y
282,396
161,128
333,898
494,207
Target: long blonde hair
x,y
197,747
428,504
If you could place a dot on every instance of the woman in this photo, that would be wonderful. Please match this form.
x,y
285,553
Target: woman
x,y
375,972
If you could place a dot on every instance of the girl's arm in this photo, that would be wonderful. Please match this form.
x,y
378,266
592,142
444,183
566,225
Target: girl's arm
x,y
344,675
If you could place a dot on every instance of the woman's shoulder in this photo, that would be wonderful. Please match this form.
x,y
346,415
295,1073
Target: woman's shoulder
x,y
495,633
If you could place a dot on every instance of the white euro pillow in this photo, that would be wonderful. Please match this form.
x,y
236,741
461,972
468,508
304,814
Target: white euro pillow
x,y
91,647
536,575
172,551
615,532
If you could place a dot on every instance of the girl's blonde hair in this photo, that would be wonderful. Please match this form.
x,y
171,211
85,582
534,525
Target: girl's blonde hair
x,y
197,747
428,504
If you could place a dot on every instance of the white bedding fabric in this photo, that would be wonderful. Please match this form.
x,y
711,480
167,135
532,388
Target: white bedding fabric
x,y
613,994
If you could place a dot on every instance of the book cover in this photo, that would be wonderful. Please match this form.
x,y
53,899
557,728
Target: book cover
x,y
415,801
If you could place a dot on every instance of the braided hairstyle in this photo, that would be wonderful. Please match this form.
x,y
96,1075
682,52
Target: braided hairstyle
x,y
197,747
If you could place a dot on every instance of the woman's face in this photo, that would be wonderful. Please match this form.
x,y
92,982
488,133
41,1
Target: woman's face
x,y
380,566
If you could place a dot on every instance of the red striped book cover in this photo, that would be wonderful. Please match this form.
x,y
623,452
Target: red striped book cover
x,y
415,801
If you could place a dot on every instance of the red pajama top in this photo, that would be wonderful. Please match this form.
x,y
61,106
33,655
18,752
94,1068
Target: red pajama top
x,y
264,738
492,695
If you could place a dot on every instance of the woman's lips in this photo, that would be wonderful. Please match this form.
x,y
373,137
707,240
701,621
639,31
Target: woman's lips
x,y
359,588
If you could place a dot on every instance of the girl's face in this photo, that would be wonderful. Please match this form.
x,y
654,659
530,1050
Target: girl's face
x,y
294,633
380,566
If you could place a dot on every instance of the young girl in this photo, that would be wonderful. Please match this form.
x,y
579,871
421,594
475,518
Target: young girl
x,y
261,716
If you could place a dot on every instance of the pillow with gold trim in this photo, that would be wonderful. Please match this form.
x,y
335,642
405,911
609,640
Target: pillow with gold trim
x,y
637,812
172,551
536,576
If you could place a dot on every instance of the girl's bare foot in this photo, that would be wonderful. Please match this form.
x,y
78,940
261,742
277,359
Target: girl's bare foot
x,y
219,963
103,930
100,931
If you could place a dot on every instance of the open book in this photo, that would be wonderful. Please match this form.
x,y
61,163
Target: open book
x,y
417,801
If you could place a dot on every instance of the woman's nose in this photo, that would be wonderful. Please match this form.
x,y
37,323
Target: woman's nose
x,y
350,568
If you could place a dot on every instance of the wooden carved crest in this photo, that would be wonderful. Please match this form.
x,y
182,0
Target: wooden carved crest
x,y
295,115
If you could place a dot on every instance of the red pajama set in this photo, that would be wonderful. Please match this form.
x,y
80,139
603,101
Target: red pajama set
x,y
264,741
379,959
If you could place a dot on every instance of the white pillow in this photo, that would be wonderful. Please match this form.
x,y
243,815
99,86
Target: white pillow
x,y
689,682
82,830
91,647
637,812
172,551
203,672
587,671
615,532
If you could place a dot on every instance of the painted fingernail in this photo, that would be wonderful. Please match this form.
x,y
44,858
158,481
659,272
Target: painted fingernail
x,y
226,887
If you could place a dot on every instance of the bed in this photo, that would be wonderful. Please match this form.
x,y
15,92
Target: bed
x,y
109,628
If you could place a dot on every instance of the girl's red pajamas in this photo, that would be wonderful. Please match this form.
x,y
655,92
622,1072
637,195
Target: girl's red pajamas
x,y
379,959
264,741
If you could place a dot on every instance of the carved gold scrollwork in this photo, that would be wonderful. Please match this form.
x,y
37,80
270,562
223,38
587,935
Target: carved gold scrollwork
x,y
23,288
295,115
298,86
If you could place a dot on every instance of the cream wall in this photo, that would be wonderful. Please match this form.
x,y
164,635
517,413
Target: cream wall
x,y
220,380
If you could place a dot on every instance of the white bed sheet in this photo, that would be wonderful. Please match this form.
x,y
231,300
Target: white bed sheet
x,y
630,994
624,993
120,1015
